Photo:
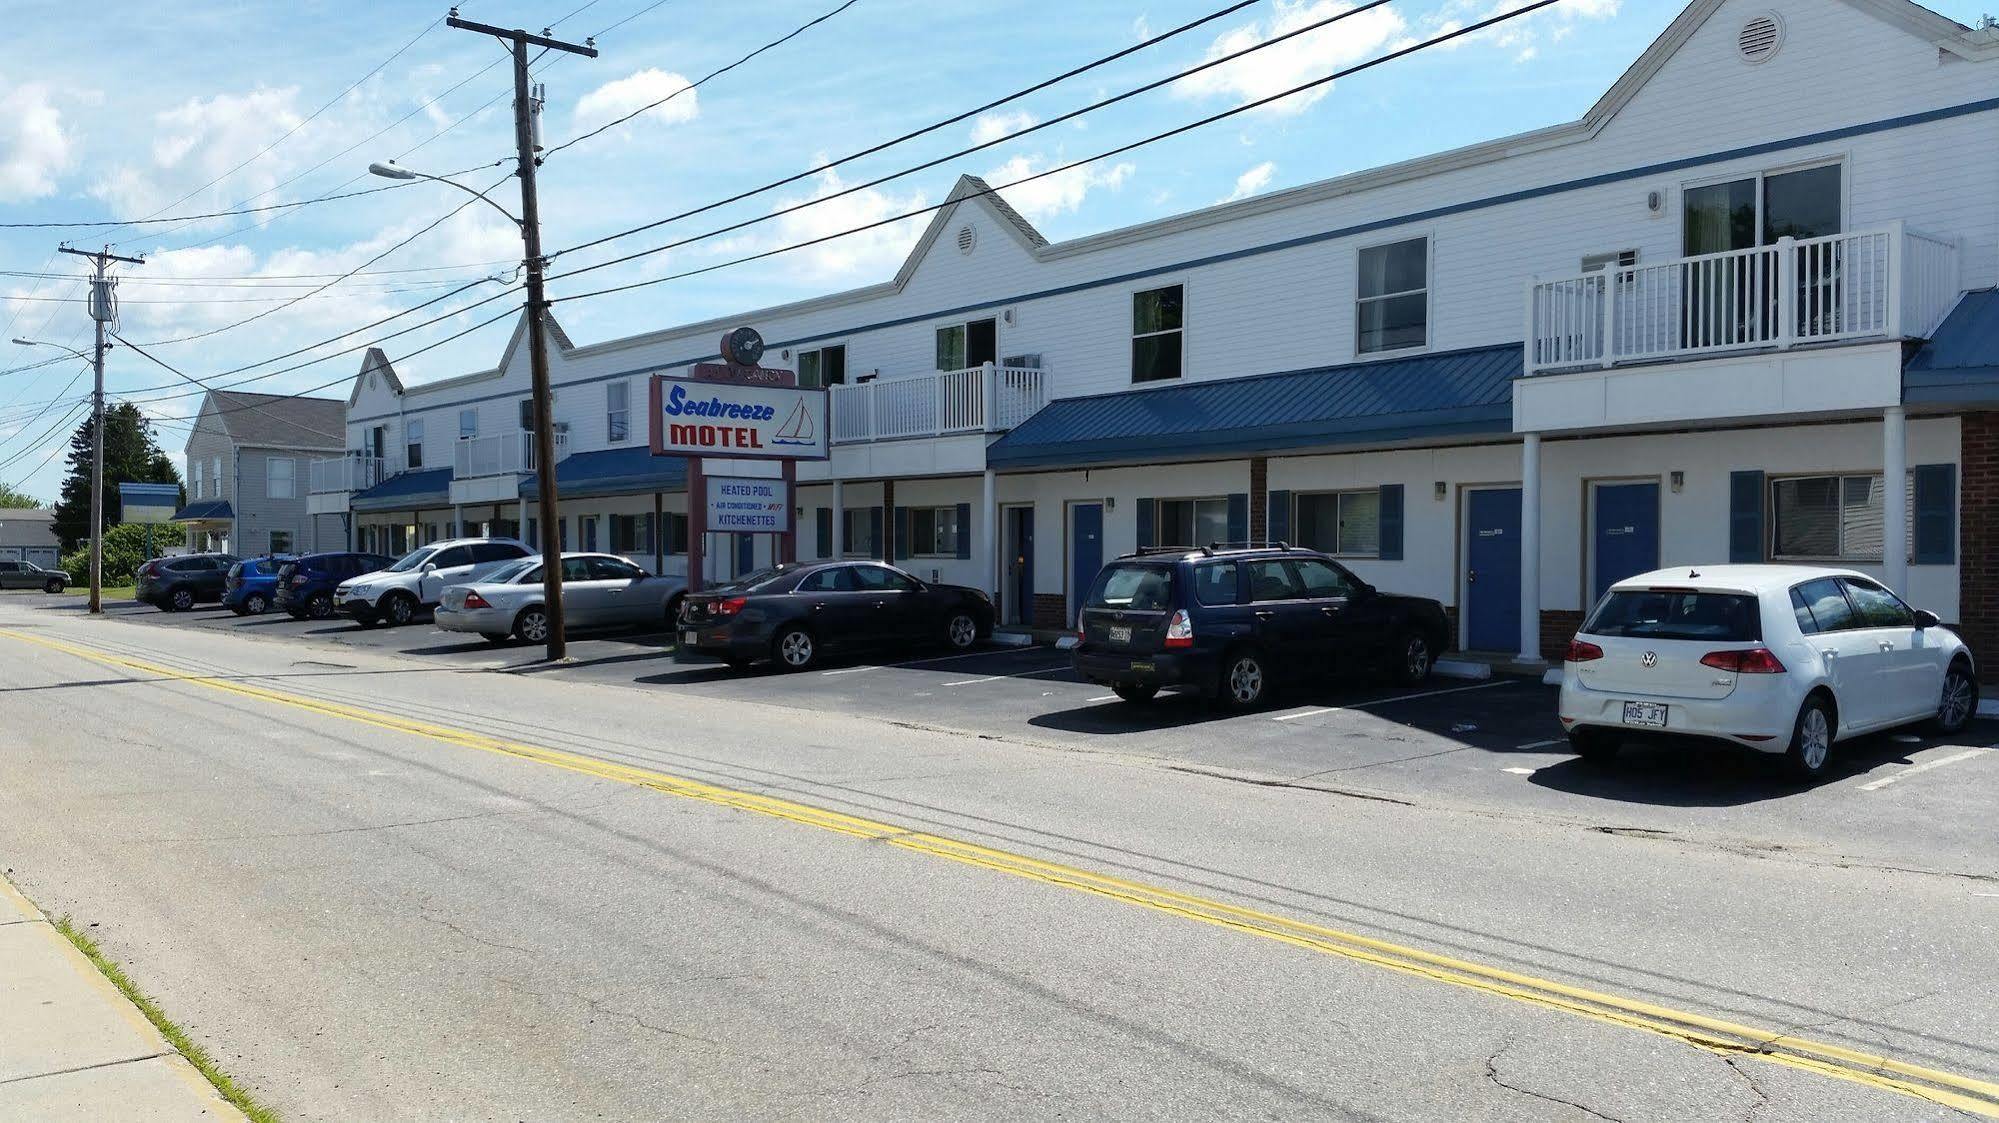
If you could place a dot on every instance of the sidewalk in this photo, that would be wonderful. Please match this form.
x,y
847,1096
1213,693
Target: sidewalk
x,y
72,1047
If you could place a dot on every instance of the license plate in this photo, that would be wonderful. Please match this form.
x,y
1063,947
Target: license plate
x,y
687,638
1645,713
1120,635
1136,666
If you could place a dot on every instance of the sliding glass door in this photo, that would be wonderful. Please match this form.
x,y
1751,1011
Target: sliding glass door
x,y
1734,300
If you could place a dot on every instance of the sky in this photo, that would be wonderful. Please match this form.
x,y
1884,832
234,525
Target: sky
x,y
141,110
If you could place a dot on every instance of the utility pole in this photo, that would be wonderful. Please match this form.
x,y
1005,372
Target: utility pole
x,y
525,110
102,309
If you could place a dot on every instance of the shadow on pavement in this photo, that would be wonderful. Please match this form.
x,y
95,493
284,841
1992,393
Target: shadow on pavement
x,y
1695,772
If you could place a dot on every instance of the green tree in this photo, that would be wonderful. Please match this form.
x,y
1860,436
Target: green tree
x,y
10,496
130,456
124,552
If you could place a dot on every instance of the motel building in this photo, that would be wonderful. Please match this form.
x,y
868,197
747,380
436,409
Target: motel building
x,y
1741,310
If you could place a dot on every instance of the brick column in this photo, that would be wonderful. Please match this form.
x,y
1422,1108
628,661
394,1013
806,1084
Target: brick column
x,y
1978,540
1259,499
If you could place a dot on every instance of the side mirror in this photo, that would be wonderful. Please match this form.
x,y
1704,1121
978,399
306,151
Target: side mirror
x,y
1926,619
430,567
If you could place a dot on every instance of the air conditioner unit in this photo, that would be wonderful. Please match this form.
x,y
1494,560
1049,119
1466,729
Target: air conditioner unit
x,y
1030,362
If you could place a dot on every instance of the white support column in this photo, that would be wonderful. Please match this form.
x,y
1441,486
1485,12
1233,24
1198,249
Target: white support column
x,y
1530,548
839,519
1895,499
988,525
523,521
457,522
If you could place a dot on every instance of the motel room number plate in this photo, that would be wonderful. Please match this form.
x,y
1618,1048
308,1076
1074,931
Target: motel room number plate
x,y
1645,713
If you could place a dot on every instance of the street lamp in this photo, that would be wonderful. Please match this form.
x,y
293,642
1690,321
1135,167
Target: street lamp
x,y
96,462
537,308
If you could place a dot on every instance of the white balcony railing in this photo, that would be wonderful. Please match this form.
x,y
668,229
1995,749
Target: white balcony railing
x,y
344,474
1890,283
981,399
498,455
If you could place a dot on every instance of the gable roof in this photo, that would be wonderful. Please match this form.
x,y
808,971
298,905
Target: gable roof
x,y
278,420
375,360
969,189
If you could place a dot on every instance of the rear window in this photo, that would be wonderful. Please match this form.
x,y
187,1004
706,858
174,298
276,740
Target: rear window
x,y
1677,614
1146,588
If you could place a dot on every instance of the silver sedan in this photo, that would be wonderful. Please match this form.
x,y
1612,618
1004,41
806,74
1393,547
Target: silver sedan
x,y
598,591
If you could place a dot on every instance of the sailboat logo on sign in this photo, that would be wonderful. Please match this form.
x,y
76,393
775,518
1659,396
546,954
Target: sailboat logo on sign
x,y
797,429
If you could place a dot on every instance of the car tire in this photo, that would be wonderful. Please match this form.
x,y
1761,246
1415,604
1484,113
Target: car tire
x,y
531,626
180,600
256,604
1245,680
366,619
794,649
961,631
1959,703
1133,693
320,607
1811,738
240,610
399,609
1595,746
53,586
1411,659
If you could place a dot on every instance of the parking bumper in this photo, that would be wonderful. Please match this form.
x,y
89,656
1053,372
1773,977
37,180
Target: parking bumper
x,y
1187,670
1753,715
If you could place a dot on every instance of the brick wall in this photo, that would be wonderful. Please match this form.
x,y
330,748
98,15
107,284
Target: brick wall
x,y
1051,610
1259,499
1558,626
1978,540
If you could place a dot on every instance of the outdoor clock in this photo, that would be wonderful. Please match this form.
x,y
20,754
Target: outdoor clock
x,y
743,347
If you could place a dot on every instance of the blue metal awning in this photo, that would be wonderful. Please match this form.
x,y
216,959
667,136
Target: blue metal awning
x,y
1452,393
613,471
211,510
1960,362
406,490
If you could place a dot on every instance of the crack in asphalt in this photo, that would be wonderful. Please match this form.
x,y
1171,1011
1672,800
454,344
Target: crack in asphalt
x,y
1260,782
1762,1098
1492,1074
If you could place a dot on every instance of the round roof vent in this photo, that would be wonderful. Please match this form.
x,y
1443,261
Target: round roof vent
x,y
967,238
1760,37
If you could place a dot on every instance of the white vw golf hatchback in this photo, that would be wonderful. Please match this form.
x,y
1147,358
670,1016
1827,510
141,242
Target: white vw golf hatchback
x,y
1781,658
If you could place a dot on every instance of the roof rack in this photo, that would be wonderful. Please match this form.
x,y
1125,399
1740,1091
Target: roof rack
x,y
1214,547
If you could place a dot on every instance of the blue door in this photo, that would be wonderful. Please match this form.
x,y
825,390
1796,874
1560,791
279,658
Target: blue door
x,y
1492,563
1086,551
1625,525
1020,565
746,553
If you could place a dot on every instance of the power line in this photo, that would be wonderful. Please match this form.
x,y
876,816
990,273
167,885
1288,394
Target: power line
x,y
164,365
187,218
64,420
60,398
1154,138
703,80
629,18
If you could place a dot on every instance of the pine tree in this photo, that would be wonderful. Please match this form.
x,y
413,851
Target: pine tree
x,y
130,456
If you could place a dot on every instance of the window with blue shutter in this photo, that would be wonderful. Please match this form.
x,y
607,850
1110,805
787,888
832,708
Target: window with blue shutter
x,y
964,530
825,533
1936,514
1745,516
875,534
900,546
1391,522
1279,517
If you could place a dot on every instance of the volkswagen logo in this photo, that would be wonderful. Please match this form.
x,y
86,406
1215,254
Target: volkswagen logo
x,y
1649,659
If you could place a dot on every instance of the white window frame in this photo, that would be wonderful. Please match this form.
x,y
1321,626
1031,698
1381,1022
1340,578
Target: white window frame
x,y
1429,291
413,434
820,350
1186,322
1842,159
965,326
466,433
1842,557
931,549
1340,550
291,478
194,477
1194,521
613,418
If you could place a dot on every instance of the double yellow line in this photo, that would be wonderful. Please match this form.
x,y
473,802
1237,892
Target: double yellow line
x,y
1978,1097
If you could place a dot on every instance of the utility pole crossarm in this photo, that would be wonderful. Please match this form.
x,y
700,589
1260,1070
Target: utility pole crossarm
x,y
519,36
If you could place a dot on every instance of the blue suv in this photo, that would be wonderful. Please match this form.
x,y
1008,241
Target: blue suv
x,y
305,587
252,584
1229,623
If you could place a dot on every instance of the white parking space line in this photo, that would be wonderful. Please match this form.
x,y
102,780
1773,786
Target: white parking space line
x,y
970,681
1316,711
1925,766
1521,771
1536,745
920,662
1307,713
1102,698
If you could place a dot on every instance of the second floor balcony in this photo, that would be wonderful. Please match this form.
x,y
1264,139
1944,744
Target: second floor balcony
x,y
981,399
503,454
341,475
1868,285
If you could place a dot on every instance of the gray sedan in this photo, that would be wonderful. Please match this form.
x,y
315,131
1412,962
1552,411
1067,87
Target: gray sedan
x,y
598,591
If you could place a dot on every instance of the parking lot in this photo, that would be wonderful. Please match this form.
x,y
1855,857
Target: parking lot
x,y
1487,748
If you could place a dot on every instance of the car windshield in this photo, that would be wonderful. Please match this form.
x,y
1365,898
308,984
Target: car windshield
x,y
412,560
1677,614
1147,588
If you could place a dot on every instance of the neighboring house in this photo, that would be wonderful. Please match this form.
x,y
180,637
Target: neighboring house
x,y
246,474
1742,289
28,534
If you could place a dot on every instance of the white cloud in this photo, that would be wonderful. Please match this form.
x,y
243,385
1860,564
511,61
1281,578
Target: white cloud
x,y
1521,36
34,149
1252,181
866,255
992,126
204,139
1056,194
613,100
1293,62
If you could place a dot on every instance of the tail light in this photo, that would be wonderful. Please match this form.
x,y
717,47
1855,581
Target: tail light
x,y
474,600
148,569
298,580
1582,651
1180,630
731,606
1753,661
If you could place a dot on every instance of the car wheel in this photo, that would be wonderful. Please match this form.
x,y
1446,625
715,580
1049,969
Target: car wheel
x,y
531,626
795,649
240,610
256,604
1135,694
1245,680
1811,738
1595,746
319,607
181,600
962,632
1959,702
401,609
54,586
1411,659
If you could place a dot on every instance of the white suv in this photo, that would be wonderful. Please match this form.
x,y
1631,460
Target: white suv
x,y
1783,659
415,582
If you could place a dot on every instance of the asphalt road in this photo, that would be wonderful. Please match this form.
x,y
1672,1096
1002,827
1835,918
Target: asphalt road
x,y
393,875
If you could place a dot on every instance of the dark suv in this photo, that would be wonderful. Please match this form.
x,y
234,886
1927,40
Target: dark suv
x,y
305,586
1226,623
178,584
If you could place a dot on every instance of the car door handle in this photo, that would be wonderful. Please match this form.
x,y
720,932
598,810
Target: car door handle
x,y
1330,610
1264,614
1829,652
1887,645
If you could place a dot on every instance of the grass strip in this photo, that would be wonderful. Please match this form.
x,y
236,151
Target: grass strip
x,y
176,1036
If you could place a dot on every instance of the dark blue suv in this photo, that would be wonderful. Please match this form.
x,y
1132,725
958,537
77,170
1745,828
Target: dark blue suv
x,y
1229,623
305,586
